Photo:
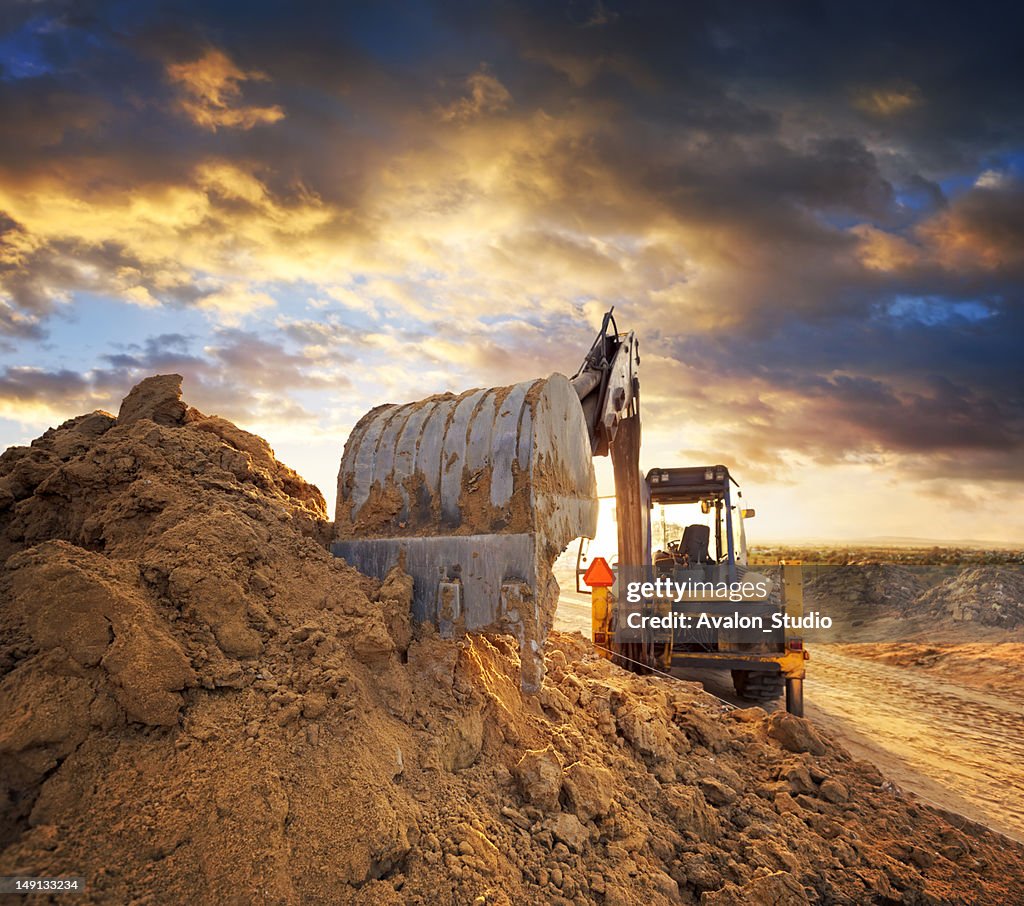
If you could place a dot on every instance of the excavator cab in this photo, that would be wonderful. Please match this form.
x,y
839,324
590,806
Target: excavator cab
x,y
711,551
705,544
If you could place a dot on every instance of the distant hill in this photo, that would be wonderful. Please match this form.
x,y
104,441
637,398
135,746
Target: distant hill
x,y
895,541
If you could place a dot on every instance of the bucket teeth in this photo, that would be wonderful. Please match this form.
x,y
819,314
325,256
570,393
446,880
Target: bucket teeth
x,y
482,489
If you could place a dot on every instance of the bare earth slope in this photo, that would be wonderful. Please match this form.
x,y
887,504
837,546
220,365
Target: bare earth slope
x,y
198,704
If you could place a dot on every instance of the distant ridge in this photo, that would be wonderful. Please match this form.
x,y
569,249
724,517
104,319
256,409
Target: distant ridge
x,y
893,541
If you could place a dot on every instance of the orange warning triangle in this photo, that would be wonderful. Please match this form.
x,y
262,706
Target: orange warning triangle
x,y
599,574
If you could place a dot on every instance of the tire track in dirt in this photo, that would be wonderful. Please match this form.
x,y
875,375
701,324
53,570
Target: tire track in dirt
x,y
961,748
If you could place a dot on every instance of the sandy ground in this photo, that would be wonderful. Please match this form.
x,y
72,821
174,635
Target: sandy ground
x,y
993,666
956,747
960,748
201,704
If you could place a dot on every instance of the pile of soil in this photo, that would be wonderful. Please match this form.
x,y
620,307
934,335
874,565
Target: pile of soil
x,y
200,704
929,602
853,594
984,595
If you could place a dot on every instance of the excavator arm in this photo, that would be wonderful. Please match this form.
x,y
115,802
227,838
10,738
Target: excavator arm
x,y
608,385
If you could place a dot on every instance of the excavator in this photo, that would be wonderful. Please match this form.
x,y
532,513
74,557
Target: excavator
x,y
475,494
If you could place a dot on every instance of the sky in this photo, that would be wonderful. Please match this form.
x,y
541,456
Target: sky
x,y
811,214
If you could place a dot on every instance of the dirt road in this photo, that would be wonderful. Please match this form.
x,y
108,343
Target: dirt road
x,y
959,748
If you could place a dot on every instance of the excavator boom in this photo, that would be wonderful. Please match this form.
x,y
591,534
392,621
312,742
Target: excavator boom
x,y
608,384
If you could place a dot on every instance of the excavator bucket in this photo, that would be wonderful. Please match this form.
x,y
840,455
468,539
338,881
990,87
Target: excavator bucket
x,y
475,496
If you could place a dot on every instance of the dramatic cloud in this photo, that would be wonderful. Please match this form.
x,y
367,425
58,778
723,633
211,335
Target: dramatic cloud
x,y
237,374
887,102
486,95
212,92
811,217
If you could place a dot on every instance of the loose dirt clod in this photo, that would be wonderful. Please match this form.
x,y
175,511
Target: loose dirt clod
x,y
199,704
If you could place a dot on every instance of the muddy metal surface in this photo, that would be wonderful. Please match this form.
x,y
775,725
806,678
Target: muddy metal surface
x,y
958,748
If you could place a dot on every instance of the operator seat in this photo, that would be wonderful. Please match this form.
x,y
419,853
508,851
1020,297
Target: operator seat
x,y
695,543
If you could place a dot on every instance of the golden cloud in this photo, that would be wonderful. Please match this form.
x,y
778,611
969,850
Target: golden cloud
x,y
233,302
512,213
221,221
486,95
882,251
887,101
977,233
212,90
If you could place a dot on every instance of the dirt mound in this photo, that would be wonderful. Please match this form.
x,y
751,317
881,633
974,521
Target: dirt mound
x,y
200,704
865,601
984,595
856,589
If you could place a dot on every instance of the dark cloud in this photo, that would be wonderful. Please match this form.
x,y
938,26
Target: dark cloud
x,y
981,235
260,364
33,385
240,376
947,398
